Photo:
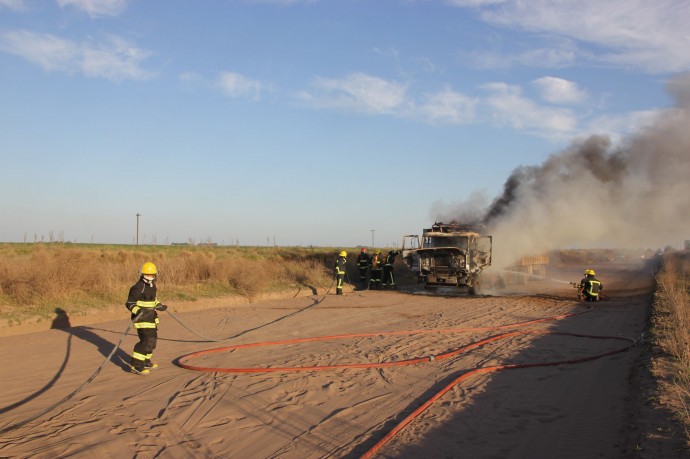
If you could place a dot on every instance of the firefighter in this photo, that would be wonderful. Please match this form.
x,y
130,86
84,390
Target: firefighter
x,y
363,263
143,305
339,270
376,267
590,286
389,260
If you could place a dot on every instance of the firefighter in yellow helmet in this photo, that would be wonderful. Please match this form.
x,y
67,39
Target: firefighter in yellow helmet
x,y
376,270
590,286
143,305
339,271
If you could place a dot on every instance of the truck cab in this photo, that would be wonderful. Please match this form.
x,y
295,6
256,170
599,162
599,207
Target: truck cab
x,y
448,255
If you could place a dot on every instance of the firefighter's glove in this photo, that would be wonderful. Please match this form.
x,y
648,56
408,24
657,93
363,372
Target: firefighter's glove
x,y
160,307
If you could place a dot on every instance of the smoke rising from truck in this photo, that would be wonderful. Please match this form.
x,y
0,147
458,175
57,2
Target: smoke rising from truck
x,y
635,194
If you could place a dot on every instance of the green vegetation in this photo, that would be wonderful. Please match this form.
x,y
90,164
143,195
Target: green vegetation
x,y
37,278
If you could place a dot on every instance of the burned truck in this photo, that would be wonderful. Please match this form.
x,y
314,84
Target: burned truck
x,y
451,255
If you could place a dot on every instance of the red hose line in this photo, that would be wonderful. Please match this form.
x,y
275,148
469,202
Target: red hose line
x,y
181,360
408,419
631,342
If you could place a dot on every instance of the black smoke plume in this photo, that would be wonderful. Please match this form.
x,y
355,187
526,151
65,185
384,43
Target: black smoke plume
x,y
631,194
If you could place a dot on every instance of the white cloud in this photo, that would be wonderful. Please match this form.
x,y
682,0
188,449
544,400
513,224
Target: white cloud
x,y
190,77
507,106
617,126
48,51
558,90
283,2
114,59
447,107
236,85
96,8
363,93
651,35
551,57
474,3
14,5
359,92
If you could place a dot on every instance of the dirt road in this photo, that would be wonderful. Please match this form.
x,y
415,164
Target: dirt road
x,y
572,410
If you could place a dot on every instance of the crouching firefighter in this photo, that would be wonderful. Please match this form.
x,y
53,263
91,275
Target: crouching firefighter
x,y
143,305
590,286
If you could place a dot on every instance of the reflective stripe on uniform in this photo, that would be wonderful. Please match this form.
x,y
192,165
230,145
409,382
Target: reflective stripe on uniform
x,y
590,286
147,304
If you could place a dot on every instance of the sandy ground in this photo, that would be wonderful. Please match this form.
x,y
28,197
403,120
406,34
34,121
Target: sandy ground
x,y
581,410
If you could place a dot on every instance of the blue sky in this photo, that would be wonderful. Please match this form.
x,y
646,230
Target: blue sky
x,y
306,122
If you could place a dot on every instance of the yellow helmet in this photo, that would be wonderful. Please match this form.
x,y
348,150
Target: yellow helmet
x,y
589,272
149,268
343,254
378,251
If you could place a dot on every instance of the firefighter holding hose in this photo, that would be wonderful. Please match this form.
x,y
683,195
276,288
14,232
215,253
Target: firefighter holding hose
x,y
388,277
590,287
339,271
143,305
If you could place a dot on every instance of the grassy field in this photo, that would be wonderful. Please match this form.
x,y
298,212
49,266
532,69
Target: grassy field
x,y
35,279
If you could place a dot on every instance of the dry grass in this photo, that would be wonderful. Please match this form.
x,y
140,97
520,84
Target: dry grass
x,y
671,325
37,278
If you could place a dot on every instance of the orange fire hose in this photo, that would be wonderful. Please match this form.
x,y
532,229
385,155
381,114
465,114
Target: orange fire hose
x,y
630,342
402,424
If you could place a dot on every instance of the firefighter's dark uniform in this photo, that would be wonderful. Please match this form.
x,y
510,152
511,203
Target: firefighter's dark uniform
x,y
388,278
376,269
142,297
363,263
339,271
590,288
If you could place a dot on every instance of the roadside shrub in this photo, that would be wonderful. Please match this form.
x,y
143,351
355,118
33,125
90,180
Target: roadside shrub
x,y
36,278
672,323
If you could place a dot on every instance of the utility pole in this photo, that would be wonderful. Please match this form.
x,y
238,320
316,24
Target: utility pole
x,y
138,215
372,238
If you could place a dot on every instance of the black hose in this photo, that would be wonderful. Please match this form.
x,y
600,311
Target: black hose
x,y
78,389
316,302
347,276
117,346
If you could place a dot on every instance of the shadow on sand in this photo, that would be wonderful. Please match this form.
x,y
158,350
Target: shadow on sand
x,y
61,322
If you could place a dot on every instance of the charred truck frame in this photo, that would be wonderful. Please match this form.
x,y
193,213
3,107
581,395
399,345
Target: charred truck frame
x,y
450,255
